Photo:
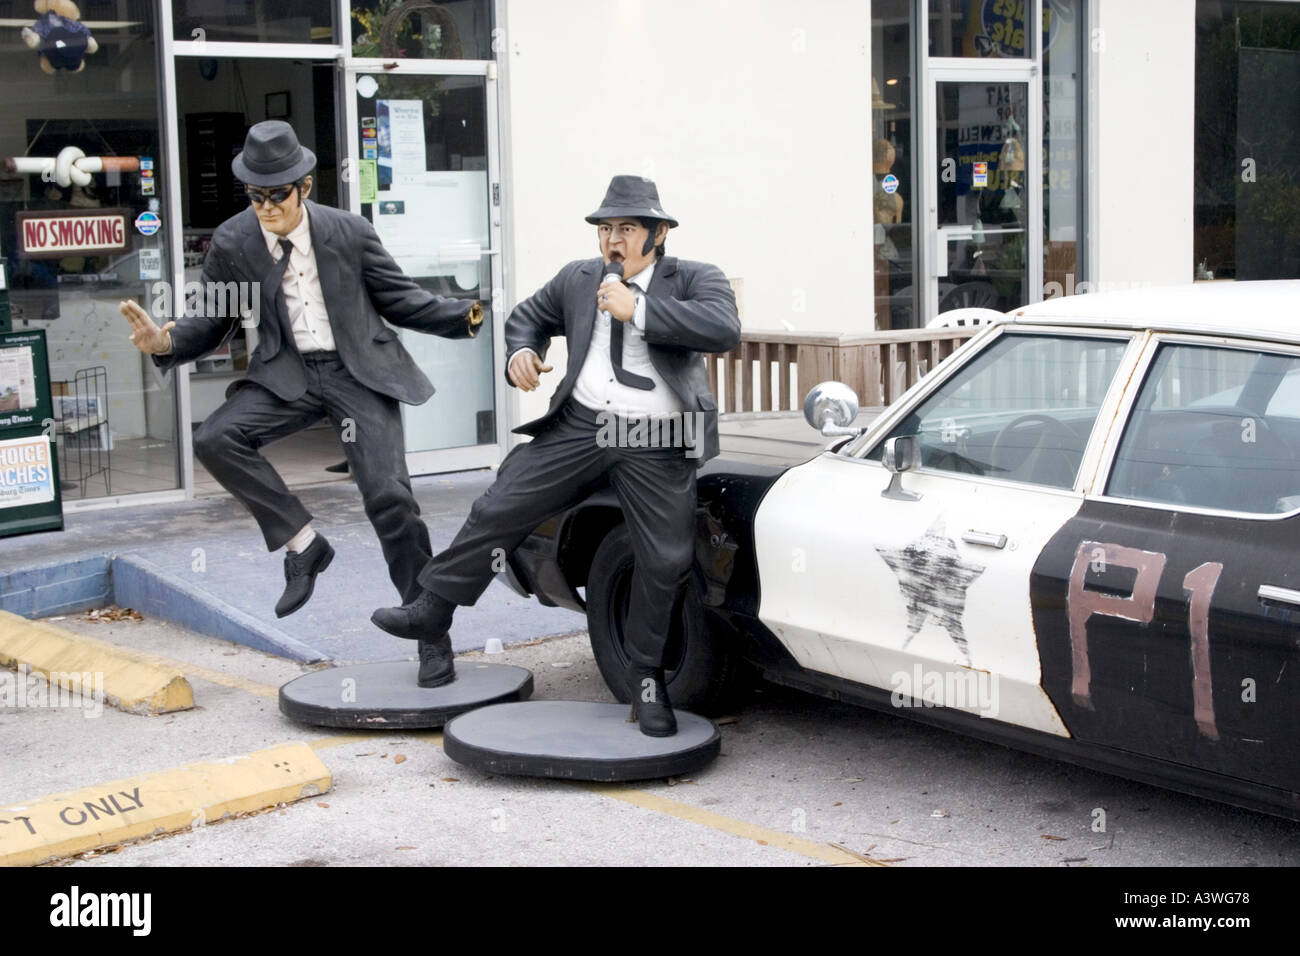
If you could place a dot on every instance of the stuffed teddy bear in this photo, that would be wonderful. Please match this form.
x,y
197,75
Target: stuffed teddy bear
x,y
61,38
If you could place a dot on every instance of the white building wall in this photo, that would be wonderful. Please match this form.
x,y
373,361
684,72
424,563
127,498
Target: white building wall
x,y
1143,123
752,116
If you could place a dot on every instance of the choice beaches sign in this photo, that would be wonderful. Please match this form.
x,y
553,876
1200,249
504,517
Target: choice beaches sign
x,y
82,232
29,463
26,472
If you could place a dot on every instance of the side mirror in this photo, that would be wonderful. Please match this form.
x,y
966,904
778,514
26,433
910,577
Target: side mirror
x,y
900,454
831,408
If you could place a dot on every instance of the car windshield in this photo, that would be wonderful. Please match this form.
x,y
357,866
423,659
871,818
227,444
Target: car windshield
x,y
1022,410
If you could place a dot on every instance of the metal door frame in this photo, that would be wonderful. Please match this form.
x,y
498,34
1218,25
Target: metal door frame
x,y
935,70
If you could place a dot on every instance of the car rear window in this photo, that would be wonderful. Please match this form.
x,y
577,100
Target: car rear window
x,y
1214,427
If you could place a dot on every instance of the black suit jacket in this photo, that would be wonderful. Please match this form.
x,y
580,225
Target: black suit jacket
x,y
690,310
361,284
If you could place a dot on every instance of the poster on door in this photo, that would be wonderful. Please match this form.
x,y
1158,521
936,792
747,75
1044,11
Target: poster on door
x,y
399,141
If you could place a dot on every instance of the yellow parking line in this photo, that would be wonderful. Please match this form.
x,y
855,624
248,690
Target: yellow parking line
x,y
325,743
227,680
824,852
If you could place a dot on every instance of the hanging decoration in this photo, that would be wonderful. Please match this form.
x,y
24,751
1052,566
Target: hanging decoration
x,y
60,37
72,167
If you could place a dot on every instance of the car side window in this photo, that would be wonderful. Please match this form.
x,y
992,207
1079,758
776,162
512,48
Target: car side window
x,y
1022,410
1214,427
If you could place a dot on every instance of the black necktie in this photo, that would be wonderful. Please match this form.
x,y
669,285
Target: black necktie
x,y
274,279
616,357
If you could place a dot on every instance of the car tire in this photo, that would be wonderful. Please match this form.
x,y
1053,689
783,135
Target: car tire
x,y
703,674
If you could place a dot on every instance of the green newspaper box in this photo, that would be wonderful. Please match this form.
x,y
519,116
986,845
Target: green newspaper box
x,y
29,471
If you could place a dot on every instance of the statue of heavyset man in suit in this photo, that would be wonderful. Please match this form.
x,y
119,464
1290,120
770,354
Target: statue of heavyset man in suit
x,y
326,284
635,356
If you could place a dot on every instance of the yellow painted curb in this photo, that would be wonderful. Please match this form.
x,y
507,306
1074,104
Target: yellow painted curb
x,y
64,824
129,681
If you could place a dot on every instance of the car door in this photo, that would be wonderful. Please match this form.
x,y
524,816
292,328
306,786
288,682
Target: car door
x,y
1168,608
928,597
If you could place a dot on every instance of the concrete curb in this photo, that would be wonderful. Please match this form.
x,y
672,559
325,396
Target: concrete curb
x,y
183,798
125,680
140,584
58,587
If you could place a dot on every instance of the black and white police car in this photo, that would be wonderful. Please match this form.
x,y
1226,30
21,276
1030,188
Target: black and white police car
x,y
1079,535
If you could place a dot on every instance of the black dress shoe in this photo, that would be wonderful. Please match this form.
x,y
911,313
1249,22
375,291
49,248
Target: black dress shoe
x,y
650,706
427,614
436,664
300,570
338,469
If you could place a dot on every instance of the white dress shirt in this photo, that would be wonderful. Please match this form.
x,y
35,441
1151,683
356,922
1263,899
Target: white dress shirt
x,y
598,389
302,292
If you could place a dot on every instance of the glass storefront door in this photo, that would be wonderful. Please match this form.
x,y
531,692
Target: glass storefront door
x,y
982,196
984,214
422,162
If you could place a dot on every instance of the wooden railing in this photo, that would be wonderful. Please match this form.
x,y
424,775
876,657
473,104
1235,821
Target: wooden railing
x,y
771,371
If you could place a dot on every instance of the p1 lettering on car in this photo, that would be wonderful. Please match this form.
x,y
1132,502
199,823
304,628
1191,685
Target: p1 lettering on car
x,y
1145,650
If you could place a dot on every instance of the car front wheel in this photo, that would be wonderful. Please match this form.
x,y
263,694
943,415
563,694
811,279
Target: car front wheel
x,y
702,674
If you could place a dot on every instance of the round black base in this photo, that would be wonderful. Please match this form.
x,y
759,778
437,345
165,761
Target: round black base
x,y
386,697
576,740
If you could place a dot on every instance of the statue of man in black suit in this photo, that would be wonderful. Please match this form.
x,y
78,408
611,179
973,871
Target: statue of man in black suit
x,y
635,360
324,284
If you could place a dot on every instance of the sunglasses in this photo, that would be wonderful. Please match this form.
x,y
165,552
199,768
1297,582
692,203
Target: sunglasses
x,y
278,195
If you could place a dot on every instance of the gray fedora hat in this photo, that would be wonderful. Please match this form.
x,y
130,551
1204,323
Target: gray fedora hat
x,y
631,196
272,156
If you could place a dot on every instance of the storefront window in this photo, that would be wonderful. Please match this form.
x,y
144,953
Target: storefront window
x,y
979,28
422,29
1062,192
892,166
1247,151
82,226
254,21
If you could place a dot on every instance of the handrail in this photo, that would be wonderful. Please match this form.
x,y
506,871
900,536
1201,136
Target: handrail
x,y
778,367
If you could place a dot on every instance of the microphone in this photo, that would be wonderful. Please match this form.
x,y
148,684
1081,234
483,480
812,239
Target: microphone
x,y
613,273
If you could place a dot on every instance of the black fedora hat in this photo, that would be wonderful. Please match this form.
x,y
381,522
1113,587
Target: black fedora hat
x,y
272,156
631,196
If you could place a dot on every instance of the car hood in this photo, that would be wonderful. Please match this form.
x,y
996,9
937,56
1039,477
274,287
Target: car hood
x,y
781,439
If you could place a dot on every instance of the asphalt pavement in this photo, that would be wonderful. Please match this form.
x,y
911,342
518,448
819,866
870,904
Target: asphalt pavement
x,y
800,782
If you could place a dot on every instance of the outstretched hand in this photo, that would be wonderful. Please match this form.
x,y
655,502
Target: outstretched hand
x,y
526,369
145,333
